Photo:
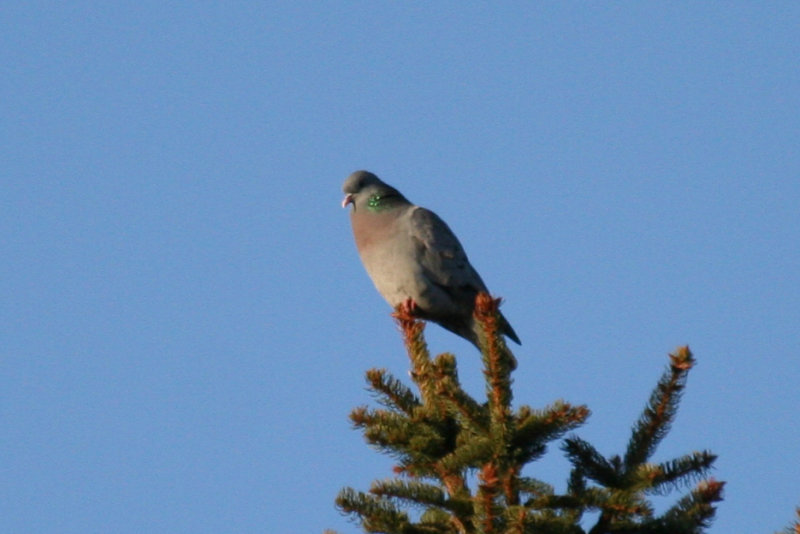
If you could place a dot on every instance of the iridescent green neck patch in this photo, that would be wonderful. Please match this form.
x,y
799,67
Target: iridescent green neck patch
x,y
377,203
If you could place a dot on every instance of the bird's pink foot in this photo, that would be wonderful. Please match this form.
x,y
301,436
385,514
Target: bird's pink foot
x,y
408,306
406,310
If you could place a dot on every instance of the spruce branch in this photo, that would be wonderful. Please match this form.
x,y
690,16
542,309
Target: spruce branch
x,y
623,483
487,510
383,428
497,359
521,520
422,371
654,423
680,471
499,476
469,454
534,488
377,514
391,392
693,512
794,528
535,428
590,463
414,492
416,442
471,414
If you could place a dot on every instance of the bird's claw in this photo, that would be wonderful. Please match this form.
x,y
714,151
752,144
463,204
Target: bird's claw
x,y
406,309
408,306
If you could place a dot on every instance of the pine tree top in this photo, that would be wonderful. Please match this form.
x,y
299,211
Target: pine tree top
x,y
460,460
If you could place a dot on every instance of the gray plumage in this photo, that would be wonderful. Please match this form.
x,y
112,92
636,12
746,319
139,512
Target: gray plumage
x,y
409,252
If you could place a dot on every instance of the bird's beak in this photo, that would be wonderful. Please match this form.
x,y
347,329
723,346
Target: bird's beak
x,y
348,199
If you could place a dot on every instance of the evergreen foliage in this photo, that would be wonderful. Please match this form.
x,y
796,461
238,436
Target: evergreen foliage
x,y
794,528
460,461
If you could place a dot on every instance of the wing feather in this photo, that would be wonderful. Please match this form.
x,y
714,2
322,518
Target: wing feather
x,y
441,255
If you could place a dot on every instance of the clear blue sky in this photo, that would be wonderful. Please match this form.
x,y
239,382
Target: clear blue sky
x,y
185,324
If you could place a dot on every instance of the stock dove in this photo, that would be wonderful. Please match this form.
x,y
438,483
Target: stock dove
x,y
410,253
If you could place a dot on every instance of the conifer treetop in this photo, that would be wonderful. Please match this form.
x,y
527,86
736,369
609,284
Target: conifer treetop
x,y
463,465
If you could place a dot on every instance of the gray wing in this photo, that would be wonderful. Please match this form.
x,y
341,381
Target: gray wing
x,y
440,254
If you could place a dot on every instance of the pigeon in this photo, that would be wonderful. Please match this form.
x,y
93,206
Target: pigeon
x,y
410,253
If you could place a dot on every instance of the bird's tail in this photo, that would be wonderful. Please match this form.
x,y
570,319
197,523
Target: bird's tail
x,y
505,328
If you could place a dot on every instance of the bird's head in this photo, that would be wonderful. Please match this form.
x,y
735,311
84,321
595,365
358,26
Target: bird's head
x,y
363,189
